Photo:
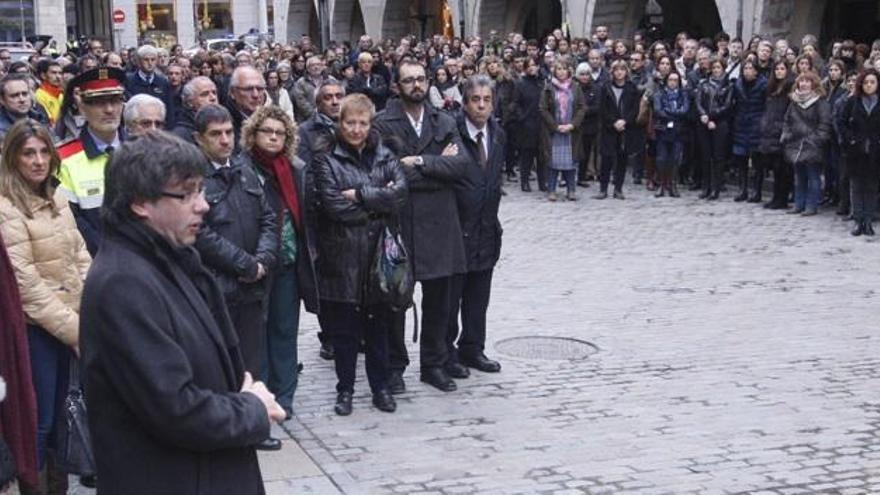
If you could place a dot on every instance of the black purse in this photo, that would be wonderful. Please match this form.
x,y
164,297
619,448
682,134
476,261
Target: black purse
x,y
391,273
75,453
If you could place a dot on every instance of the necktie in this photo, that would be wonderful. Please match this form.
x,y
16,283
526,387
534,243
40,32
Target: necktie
x,y
481,150
109,150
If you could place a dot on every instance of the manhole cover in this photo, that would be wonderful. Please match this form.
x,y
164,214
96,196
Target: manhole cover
x,y
535,347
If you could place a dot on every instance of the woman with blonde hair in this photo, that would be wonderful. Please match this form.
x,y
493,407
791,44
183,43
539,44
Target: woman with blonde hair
x,y
268,140
50,262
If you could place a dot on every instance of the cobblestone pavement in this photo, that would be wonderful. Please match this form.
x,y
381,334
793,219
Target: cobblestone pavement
x,y
737,353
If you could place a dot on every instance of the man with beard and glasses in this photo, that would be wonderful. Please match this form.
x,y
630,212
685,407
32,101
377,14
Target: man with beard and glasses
x,y
428,142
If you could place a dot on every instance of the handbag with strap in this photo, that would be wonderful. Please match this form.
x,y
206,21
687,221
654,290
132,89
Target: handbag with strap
x,y
75,453
391,273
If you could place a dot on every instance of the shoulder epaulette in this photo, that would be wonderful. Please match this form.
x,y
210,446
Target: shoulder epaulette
x,y
69,147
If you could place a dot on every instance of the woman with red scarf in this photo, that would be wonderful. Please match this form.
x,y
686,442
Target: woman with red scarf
x,y
269,140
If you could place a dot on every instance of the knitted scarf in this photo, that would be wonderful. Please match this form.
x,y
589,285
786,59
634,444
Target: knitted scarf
x,y
279,168
563,99
804,98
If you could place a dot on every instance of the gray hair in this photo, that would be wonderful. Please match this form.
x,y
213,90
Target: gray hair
x,y
329,81
236,75
189,89
475,82
146,50
132,110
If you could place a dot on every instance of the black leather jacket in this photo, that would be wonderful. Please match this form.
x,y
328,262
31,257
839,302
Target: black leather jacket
x,y
715,99
239,230
347,231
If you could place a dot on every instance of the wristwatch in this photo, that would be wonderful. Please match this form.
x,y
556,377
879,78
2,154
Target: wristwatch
x,y
420,162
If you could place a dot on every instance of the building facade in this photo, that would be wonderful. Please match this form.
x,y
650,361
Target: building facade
x,y
183,21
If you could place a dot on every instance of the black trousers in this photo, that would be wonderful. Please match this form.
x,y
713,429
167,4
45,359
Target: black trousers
x,y
783,176
470,296
612,160
436,314
249,320
583,165
527,156
346,325
510,152
713,146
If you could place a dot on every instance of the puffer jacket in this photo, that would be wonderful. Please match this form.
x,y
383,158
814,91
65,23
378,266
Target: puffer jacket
x,y
806,131
347,231
748,100
771,122
50,261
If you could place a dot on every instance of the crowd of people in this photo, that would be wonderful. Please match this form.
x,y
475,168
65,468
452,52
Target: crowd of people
x,y
164,215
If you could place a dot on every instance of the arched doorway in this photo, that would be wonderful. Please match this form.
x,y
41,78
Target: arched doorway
x,y
421,18
348,21
858,20
699,18
302,19
532,18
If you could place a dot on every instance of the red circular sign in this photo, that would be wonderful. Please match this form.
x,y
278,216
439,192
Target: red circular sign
x,y
118,16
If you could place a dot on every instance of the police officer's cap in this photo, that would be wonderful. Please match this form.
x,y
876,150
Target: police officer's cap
x,y
103,81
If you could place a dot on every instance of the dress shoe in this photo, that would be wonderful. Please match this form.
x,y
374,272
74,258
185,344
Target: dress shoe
x,y
88,480
343,403
437,378
809,212
601,195
795,211
618,194
661,192
457,370
396,385
269,444
868,228
482,363
542,188
858,230
327,353
384,401
526,187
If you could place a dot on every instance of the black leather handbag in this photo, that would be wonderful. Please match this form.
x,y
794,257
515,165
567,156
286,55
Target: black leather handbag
x,y
75,454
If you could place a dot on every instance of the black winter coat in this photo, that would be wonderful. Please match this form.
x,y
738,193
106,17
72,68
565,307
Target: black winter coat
x,y
162,372
715,99
526,117
159,87
315,133
429,220
748,99
347,232
771,123
377,92
305,237
479,197
610,110
590,124
806,132
860,139
186,125
239,231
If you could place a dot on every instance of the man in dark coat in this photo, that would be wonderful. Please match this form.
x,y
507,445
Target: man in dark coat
x,y
198,92
147,81
478,199
239,239
369,83
314,135
428,143
171,408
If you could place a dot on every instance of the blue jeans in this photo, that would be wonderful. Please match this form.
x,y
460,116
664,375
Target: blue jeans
x,y
807,186
282,329
50,361
570,179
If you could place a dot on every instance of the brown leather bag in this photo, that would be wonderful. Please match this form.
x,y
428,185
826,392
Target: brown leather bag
x,y
645,110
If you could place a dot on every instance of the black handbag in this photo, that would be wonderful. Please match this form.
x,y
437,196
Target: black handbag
x,y
75,454
391,273
7,466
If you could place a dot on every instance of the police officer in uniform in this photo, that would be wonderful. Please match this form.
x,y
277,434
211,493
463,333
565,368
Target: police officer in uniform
x,y
83,159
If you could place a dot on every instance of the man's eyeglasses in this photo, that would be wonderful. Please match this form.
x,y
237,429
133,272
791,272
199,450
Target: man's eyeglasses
x,y
272,132
411,80
186,197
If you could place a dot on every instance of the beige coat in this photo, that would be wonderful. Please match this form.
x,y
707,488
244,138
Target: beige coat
x,y
50,261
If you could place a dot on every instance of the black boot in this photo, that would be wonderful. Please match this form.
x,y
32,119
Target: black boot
x,y
673,181
662,183
868,227
743,190
859,229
